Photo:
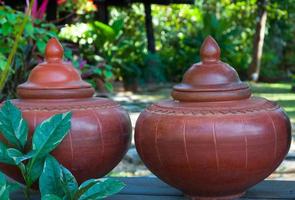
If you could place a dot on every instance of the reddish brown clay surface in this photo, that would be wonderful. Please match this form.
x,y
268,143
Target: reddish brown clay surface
x,y
213,141
101,130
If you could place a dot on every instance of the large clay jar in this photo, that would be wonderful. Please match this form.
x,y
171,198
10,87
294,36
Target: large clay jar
x,y
213,140
100,129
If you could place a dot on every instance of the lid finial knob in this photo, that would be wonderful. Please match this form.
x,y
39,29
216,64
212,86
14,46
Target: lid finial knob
x,y
54,51
54,79
210,51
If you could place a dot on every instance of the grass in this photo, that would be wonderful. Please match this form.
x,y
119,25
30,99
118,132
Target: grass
x,y
279,92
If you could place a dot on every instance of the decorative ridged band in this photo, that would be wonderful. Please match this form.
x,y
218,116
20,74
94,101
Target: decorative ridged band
x,y
61,108
194,112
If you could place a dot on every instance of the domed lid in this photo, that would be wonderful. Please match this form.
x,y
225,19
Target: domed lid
x,y
54,78
211,79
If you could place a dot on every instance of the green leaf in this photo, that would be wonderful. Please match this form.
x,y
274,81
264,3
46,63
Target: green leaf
x,y
4,190
6,29
50,133
35,169
104,30
50,179
2,64
41,45
13,186
69,182
18,156
108,74
68,54
2,61
2,179
118,25
97,71
50,197
4,157
12,125
109,86
11,17
103,189
3,20
29,29
84,187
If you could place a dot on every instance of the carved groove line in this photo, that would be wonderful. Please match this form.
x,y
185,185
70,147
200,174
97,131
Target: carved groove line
x,y
246,142
215,146
185,147
246,148
140,139
275,136
100,134
156,143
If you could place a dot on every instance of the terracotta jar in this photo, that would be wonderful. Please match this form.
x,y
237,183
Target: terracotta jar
x,y
100,129
213,140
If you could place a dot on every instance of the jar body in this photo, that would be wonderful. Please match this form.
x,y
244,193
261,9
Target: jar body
x,y
213,150
99,137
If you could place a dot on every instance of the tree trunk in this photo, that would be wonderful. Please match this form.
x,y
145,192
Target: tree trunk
x,y
102,13
254,68
51,10
149,27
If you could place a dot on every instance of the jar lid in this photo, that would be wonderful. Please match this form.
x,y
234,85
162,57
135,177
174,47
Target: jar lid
x,y
210,79
54,78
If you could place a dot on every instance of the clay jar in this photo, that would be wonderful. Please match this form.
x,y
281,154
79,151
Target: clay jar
x,y
100,129
213,140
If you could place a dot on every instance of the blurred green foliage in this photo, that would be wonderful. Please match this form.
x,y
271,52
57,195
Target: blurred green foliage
x,y
180,32
279,51
182,37
31,46
232,23
93,39
129,52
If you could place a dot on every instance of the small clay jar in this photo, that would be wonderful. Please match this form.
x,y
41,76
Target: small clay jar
x,y
213,140
100,129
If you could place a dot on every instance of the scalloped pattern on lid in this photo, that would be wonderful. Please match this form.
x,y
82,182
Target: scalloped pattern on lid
x,y
210,79
54,78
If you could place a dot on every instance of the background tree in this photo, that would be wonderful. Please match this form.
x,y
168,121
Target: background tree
x,y
254,68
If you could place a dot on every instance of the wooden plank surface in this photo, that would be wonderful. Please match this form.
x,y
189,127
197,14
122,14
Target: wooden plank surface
x,y
150,188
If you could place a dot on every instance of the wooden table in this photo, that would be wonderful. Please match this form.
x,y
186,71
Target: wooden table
x,y
148,188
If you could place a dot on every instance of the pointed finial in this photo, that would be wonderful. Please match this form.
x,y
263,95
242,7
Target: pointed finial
x,y
54,51
210,51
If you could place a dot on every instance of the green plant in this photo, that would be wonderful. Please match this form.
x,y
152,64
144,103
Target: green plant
x,y
7,187
115,51
101,71
58,182
93,38
182,30
153,69
128,53
18,56
34,159
279,51
47,136
6,68
83,8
